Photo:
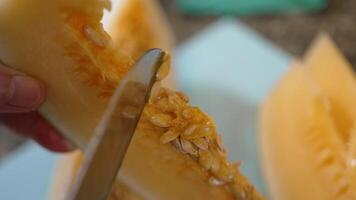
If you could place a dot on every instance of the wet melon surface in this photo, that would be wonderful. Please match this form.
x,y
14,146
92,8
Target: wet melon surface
x,y
308,128
176,152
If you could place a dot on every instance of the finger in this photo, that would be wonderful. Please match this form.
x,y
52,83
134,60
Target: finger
x,y
19,93
33,125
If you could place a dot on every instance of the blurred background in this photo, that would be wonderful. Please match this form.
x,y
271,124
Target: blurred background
x,y
290,24
291,27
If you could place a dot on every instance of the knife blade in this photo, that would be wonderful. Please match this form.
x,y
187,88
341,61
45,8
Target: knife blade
x,y
107,148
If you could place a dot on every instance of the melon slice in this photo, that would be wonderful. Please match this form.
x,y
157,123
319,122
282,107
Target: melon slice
x,y
175,153
307,128
138,25
351,163
58,43
337,80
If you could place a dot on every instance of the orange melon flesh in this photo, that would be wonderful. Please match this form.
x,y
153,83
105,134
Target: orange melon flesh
x,y
351,162
63,43
307,128
283,168
64,58
86,77
342,96
138,25
337,80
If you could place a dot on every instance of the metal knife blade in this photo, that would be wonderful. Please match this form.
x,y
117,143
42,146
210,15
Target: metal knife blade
x,y
107,149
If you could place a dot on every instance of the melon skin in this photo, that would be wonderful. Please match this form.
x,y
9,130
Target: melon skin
x,y
307,128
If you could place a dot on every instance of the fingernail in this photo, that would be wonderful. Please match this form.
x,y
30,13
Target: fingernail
x,y
27,93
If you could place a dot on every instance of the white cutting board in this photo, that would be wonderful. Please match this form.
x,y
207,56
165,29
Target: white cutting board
x,y
226,69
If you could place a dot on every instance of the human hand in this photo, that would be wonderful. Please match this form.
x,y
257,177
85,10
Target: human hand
x,y
20,97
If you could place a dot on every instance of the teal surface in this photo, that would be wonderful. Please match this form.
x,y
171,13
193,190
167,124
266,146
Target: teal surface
x,y
245,7
227,70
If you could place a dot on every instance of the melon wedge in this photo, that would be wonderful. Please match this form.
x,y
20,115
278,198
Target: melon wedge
x,y
336,79
57,43
138,25
308,128
63,43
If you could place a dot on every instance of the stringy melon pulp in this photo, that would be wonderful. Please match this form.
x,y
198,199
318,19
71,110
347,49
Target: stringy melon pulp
x,y
64,44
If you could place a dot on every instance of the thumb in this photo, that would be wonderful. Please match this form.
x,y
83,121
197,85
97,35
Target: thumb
x,y
19,93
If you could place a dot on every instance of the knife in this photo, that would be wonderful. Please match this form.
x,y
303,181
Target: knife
x,y
106,150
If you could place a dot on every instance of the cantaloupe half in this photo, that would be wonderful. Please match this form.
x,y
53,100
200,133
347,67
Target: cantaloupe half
x,y
175,153
308,128
59,42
